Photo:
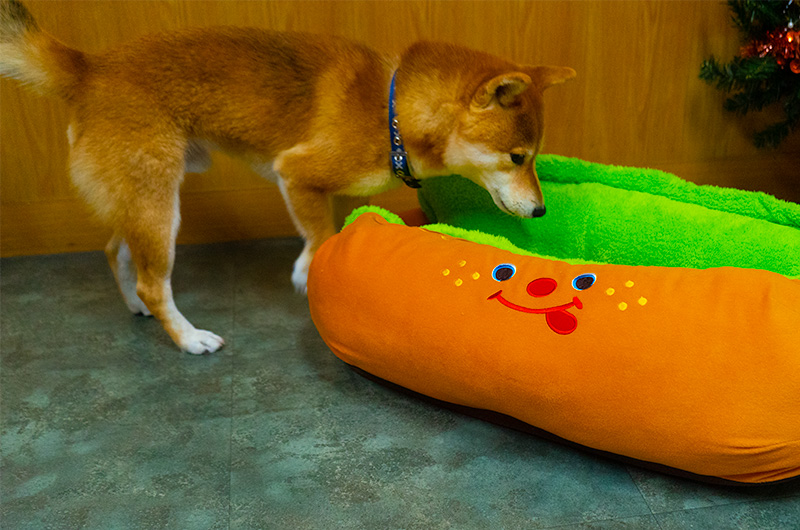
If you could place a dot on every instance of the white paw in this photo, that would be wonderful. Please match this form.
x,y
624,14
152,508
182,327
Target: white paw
x,y
137,307
299,280
300,273
200,341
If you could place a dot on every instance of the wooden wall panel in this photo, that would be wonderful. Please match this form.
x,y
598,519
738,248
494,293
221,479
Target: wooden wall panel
x,y
637,100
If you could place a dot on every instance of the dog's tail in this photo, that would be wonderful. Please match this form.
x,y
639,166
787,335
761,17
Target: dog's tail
x,y
33,57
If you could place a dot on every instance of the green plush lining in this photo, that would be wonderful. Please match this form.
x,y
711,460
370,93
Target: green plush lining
x,y
475,236
756,205
608,214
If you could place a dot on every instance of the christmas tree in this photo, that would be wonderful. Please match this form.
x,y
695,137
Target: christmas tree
x,y
767,70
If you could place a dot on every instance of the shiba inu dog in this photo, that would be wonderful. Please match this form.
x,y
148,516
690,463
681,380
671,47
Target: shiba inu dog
x,y
309,112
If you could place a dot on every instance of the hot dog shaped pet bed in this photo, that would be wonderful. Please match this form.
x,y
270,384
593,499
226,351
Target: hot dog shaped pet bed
x,y
691,368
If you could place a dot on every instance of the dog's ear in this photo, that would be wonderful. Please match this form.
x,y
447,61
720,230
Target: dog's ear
x,y
503,89
547,76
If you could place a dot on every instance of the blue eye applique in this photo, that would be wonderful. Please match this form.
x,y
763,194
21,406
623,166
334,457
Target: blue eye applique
x,y
583,281
504,272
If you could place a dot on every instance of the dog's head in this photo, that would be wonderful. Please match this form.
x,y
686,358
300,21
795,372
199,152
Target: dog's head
x,y
470,113
499,134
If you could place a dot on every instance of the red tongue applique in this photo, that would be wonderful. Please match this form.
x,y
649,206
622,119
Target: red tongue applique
x,y
561,322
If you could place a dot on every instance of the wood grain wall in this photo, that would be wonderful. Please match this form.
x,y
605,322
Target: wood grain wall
x,y
637,100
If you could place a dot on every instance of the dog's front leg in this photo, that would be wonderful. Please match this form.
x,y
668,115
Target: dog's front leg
x,y
312,215
343,206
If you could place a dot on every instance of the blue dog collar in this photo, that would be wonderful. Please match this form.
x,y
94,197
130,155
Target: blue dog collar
x,y
398,157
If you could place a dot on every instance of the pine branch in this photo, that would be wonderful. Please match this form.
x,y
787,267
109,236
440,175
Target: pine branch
x,y
756,17
756,82
791,106
741,73
773,135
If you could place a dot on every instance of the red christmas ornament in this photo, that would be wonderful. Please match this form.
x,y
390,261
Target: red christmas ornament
x,y
783,44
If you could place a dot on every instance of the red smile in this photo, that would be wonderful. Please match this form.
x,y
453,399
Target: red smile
x,y
557,317
499,297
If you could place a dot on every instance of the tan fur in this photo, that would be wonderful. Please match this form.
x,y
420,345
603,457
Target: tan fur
x,y
309,111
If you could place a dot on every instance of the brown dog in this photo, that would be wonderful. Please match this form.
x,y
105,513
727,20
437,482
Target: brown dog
x,y
309,112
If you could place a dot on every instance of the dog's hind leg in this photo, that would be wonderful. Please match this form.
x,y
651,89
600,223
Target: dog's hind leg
x,y
135,190
150,234
119,259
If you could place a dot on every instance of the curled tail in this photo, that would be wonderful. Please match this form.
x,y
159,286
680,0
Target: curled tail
x,y
35,58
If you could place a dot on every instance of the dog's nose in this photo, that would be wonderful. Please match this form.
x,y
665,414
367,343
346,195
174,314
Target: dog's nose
x,y
539,211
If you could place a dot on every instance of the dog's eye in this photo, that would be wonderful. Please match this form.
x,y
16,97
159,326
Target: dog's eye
x,y
584,281
517,159
504,272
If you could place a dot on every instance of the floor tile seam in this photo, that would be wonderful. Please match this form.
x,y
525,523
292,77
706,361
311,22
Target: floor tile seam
x,y
659,515
131,424
603,520
639,489
233,376
296,348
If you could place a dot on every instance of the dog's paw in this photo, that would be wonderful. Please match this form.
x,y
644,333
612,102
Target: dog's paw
x,y
137,307
299,282
132,300
200,341
300,272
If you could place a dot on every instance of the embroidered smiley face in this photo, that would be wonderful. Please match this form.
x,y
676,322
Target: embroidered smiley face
x,y
557,317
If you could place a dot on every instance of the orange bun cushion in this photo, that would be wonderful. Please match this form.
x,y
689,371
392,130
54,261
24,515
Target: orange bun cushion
x,y
695,371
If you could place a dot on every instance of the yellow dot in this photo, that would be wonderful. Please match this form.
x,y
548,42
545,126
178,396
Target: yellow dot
x,y
623,306
462,263
475,276
445,272
642,300
629,284
459,282
610,291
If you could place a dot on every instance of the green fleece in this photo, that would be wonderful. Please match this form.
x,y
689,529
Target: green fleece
x,y
624,215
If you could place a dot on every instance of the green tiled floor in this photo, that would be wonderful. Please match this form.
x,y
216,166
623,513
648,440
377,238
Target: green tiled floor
x,y
106,425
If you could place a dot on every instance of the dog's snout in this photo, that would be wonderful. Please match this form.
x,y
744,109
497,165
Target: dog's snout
x,y
539,211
